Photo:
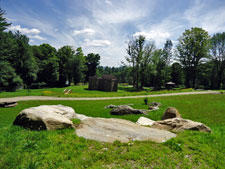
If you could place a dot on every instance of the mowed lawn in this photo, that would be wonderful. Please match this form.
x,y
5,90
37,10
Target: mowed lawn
x,y
82,91
20,148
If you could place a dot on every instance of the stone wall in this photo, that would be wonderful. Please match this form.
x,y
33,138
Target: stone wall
x,y
105,83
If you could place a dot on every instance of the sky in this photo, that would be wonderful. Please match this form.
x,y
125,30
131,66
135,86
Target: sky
x,y
105,26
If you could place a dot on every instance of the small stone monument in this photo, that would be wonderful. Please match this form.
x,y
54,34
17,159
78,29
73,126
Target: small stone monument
x,y
104,83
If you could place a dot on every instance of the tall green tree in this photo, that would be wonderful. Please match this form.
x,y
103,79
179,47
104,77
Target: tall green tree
x,y
192,48
24,62
218,56
46,57
79,66
139,55
167,57
92,61
177,73
66,56
3,22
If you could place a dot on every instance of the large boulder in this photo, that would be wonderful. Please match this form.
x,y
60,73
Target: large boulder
x,y
171,112
46,117
179,124
125,109
110,130
143,121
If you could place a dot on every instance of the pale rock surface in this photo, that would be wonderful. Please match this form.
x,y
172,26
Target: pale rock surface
x,y
46,117
143,121
179,124
110,130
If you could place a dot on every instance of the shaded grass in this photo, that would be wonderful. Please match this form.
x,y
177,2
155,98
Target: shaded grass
x,y
82,91
21,148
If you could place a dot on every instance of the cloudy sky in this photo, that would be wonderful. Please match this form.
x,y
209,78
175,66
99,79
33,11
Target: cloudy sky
x,y
103,26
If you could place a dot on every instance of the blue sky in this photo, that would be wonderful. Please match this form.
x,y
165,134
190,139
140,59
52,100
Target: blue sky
x,y
104,26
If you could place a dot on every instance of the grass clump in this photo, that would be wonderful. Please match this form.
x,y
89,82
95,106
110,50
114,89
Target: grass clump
x,y
76,122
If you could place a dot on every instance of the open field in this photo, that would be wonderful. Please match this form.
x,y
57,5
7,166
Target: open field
x,y
21,148
82,91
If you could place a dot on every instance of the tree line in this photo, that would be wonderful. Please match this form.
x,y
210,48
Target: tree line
x,y
197,61
27,66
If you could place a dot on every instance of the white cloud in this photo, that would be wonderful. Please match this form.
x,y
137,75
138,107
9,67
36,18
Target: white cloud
x,y
153,35
84,31
97,43
24,30
108,2
36,37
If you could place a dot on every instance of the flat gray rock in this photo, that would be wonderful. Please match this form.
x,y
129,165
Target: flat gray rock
x,y
109,130
125,109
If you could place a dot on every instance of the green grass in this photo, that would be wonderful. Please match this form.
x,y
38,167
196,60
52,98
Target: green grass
x,y
82,91
20,148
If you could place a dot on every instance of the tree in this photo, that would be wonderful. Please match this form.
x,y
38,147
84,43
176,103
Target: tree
x,y
79,66
66,56
92,61
177,73
140,52
24,62
218,56
47,60
192,48
9,81
3,23
167,56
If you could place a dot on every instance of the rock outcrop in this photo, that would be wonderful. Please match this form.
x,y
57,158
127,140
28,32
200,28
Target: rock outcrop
x,y
110,130
171,112
179,124
124,109
46,117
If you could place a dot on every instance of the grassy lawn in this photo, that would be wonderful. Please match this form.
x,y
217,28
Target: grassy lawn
x,y
82,91
21,148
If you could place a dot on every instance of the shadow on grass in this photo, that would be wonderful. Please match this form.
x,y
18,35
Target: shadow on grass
x,y
131,89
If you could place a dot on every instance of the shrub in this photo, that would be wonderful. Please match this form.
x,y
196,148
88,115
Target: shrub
x,y
146,101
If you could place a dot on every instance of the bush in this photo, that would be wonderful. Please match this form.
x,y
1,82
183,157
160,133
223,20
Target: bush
x,y
146,101
9,81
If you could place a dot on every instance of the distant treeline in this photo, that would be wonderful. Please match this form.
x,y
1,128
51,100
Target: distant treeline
x,y
26,66
197,61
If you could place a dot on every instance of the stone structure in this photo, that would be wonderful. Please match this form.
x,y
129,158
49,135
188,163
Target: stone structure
x,y
105,83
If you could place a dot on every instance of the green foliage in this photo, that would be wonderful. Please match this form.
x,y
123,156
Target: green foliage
x,y
47,61
139,56
146,101
218,58
92,61
3,22
9,81
66,56
79,66
76,122
192,48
